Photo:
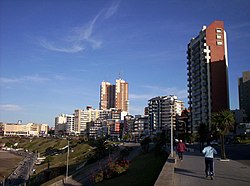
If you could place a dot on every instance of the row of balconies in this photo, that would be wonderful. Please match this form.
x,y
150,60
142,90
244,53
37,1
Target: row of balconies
x,y
196,93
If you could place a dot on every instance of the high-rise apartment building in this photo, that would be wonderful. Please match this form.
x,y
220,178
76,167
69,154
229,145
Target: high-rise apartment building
x,y
162,110
121,95
107,96
207,74
83,117
114,96
244,93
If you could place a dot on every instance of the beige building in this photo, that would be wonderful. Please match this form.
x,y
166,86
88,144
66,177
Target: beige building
x,y
30,129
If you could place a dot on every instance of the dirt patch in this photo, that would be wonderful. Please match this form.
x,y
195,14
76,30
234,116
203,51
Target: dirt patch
x,y
8,162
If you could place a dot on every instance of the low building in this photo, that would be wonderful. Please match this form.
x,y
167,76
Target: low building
x,y
30,129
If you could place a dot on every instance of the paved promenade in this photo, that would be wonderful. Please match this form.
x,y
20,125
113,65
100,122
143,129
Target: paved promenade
x,y
190,172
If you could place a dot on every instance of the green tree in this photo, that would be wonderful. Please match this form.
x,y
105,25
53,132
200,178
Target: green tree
x,y
222,122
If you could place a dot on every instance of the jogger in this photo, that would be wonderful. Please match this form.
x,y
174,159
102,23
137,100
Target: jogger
x,y
209,160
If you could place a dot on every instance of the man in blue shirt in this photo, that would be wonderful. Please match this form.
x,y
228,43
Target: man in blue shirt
x,y
209,160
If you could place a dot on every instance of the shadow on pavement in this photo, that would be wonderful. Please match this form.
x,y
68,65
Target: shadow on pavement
x,y
188,173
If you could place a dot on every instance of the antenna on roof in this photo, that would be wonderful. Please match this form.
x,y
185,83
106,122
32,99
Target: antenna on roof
x,y
120,75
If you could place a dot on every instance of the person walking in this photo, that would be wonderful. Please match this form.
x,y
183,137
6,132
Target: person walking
x,y
181,148
209,152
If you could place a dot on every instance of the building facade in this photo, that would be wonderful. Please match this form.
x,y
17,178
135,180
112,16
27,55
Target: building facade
x,y
121,95
107,96
162,111
244,93
114,96
29,129
60,124
83,117
207,74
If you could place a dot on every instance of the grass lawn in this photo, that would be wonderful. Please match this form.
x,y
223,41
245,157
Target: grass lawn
x,y
143,170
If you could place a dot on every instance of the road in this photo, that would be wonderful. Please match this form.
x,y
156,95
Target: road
x,y
21,174
239,152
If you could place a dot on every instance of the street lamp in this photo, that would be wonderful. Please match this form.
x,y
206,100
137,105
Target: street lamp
x,y
67,168
172,127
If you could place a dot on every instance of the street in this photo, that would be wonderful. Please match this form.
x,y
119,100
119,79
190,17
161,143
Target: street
x,y
21,174
239,152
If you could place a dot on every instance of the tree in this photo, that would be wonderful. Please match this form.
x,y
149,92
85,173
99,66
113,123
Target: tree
x,y
222,122
203,132
145,144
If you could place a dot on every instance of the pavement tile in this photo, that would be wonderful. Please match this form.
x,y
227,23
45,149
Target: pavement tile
x,y
190,172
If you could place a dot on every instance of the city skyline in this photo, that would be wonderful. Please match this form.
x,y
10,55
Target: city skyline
x,y
53,60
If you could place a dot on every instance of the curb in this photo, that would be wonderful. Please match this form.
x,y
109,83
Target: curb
x,y
166,177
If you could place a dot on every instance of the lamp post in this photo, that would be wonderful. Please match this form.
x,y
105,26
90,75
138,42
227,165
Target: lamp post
x,y
172,127
67,168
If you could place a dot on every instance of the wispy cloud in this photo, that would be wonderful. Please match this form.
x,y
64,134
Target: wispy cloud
x,y
81,38
72,49
10,107
34,78
160,91
112,9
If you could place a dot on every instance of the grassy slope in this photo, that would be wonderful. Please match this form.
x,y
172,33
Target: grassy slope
x,y
143,170
41,144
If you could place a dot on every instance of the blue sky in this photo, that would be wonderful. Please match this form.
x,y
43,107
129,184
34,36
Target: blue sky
x,y
54,54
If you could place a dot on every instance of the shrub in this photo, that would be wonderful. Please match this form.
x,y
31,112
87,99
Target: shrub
x,y
112,170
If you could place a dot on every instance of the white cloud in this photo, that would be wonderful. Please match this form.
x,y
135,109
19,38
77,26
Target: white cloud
x,y
34,78
140,96
10,107
72,49
112,9
81,37
155,91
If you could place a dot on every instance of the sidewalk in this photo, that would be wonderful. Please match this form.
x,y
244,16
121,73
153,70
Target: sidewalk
x,y
190,172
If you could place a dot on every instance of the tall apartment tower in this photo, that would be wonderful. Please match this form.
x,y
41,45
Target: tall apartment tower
x,y
244,93
114,96
107,96
207,74
121,95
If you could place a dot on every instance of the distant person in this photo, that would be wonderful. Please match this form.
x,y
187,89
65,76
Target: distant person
x,y
181,148
209,152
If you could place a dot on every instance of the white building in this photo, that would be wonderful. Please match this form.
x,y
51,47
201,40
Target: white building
x,y
60,124
162,110
83,117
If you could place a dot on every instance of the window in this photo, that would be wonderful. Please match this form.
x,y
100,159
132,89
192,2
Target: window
x,y
219,43
218,30
218,36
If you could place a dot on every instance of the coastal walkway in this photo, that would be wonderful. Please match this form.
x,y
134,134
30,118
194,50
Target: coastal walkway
x,y
191,172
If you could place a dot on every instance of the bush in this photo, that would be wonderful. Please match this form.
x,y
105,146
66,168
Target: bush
x,y
113,169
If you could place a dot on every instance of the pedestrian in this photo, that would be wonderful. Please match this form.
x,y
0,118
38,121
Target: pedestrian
x,y
181,148
209,152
